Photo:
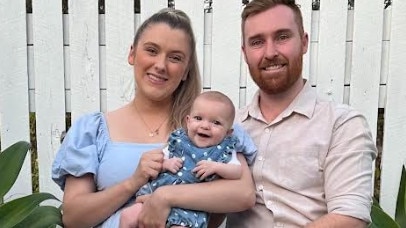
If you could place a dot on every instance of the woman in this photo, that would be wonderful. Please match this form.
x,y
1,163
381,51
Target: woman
x,y
103,160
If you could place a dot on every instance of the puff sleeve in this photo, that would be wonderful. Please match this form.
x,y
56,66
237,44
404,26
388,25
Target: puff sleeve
x,y
245,143
81,149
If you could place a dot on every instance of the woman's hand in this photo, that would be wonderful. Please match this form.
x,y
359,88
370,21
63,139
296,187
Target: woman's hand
x,y
155,210
149,166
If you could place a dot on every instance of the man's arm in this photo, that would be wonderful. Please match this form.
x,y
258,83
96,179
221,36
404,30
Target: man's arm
x,y
348,173
337,221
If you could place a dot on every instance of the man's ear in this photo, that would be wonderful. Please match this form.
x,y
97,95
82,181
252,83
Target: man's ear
x,y
305,42
131,55
243,51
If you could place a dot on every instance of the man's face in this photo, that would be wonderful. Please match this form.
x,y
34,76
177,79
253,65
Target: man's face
x,y
274,49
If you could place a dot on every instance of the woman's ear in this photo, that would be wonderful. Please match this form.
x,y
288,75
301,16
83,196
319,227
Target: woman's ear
x,y
131,55
185,76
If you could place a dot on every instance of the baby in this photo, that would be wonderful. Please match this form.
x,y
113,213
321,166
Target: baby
x,y
204,151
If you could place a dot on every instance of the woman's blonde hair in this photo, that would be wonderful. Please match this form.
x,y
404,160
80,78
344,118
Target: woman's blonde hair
x,y
190,88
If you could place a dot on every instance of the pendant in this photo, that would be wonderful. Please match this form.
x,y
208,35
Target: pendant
x,y
153,133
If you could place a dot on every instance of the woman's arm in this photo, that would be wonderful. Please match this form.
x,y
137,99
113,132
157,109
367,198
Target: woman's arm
x,y
220,196
84,207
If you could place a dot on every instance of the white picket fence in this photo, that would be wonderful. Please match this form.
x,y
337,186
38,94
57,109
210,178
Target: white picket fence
x,y
53,63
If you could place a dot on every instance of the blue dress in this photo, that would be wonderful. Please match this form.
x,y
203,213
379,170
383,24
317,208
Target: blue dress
x,y
180,146
87,148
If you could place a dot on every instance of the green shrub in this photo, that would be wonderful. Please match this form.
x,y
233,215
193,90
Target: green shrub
x,y
382,220
25,211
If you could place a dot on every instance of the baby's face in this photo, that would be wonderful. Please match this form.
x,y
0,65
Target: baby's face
x,y
208,123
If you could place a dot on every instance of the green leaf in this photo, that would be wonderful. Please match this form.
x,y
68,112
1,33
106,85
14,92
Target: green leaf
x,y
13,212
400,214
42,216
11,161
380,219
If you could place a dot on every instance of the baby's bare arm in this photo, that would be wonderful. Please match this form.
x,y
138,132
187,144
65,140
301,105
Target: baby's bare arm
x,y
206,168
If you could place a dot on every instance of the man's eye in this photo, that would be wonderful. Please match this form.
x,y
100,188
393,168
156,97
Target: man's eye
x,y
256,43
283,37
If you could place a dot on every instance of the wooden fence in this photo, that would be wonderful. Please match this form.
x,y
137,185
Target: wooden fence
x,y
53,63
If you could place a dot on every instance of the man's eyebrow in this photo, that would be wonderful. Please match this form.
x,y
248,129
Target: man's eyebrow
x,y
260,35
284,30
256,36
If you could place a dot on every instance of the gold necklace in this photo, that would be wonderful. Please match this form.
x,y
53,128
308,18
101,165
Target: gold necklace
x,y
152,133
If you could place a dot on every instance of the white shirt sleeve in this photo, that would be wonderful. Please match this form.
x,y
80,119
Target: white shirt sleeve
x,y
234,159
166,152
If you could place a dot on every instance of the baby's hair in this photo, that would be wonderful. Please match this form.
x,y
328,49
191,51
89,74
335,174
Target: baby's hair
x,y
221,97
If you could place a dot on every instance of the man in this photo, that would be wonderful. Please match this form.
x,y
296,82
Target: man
x,y
314,161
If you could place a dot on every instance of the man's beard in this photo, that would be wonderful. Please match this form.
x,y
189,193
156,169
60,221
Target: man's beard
x,y
282,81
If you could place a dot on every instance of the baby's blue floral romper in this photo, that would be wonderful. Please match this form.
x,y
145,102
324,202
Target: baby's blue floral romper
x,y
180,146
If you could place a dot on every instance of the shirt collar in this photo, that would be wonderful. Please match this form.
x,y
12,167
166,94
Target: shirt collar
x,y
304,103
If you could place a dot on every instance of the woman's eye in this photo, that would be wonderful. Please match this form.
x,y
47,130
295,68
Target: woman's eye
x,y
152,51
176,58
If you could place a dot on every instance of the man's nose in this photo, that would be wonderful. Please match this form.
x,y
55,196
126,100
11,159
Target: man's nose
x,y
270,50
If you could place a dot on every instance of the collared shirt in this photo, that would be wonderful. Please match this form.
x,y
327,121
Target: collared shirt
x,y
316,157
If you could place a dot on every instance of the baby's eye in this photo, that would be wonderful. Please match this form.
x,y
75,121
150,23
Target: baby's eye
x,y
216,122
197,117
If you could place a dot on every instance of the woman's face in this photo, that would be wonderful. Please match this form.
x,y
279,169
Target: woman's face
x,y
160,61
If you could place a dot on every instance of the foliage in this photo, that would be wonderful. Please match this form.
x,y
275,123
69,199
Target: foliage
x,y
25,211
381,219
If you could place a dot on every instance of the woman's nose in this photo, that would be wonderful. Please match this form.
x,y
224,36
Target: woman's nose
x,y
160,63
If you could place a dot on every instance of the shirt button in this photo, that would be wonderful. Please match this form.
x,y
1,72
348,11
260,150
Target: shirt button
x,y
260,158
279,224
267,130
260,187
269,203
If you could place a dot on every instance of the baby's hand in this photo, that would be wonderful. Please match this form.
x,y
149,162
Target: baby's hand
x,y
205,168
173,164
